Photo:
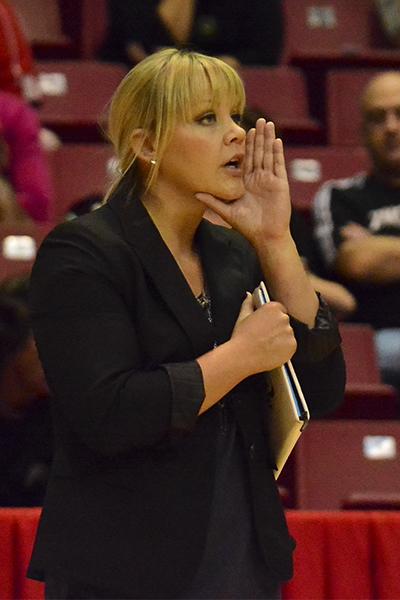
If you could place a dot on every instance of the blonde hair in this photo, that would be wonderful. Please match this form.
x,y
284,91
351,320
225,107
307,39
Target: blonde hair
x,y
159,93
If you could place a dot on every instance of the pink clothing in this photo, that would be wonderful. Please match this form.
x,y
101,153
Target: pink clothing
x,y
27,170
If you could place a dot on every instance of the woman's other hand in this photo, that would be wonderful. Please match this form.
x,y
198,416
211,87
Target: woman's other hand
x,y
265,337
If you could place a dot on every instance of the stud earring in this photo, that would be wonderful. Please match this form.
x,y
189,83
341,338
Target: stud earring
x,y
153,161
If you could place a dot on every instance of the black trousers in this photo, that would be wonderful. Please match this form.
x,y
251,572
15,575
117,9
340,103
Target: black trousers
x,y
57,589
61,590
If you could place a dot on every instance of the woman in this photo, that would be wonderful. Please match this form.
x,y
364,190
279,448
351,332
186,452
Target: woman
x,y
162,483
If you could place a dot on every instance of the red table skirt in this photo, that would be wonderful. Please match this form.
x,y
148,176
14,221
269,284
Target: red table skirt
x,y
340,555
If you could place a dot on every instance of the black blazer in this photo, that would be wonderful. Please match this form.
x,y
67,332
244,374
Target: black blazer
x,y
118,330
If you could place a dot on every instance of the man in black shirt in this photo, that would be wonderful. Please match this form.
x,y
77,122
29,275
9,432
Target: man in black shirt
x,y
357,223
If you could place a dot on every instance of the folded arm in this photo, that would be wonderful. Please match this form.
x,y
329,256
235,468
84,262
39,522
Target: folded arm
x,y
370,259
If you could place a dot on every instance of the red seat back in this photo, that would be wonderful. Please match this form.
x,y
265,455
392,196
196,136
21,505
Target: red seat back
x,y
318,27
77,112
93,26
339,460
310,166
280,93
18,265
359,353
79,170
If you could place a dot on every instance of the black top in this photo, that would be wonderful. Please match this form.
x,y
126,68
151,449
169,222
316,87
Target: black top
x,y
232,565
364,200
250,30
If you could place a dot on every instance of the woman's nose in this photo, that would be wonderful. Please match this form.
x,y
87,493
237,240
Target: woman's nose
x,y
235,133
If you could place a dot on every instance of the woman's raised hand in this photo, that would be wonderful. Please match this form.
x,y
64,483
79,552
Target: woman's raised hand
x,y
263,212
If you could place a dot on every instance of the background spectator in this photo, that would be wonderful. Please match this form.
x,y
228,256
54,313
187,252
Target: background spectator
x,y
389,13
25,185
357,223
240,31
25,427
18,73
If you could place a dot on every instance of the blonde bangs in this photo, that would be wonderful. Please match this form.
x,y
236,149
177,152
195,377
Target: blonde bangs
x,y
204,75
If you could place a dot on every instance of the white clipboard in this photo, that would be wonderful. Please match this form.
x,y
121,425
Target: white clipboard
x,y
289,412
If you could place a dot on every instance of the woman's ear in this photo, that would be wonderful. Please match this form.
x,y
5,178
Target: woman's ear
x,y
142,145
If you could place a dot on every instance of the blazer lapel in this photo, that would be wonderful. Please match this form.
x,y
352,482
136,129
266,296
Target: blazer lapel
x,y
160,265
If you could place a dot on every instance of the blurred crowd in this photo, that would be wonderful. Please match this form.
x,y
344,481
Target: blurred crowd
x,y
350,244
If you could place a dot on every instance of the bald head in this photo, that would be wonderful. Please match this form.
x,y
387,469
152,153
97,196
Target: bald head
x,y
380,88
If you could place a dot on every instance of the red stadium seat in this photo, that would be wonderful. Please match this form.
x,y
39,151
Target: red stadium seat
x,y
366,396
367,400
338,32
42,21
94,26
348,463
77,94
321,35
368,501
18,246
79,170
280,93
309,167
360,354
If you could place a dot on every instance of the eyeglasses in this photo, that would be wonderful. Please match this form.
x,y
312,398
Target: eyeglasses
x,y
379,116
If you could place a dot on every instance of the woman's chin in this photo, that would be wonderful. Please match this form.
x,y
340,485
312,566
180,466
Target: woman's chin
x,y
231,197
232,194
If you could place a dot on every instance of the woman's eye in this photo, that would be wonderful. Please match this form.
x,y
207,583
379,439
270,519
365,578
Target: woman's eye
x,y
207,119
237,118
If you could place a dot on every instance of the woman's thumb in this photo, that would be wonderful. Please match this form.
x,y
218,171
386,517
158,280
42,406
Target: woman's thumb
x,y
247,307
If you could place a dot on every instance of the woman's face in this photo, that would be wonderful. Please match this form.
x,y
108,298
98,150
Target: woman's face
x,y
205,154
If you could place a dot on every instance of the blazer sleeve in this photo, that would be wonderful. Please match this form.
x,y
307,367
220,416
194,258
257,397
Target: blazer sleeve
x,y
319,362
91,355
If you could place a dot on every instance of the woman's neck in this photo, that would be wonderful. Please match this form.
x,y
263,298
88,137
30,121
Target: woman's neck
x,y
176,220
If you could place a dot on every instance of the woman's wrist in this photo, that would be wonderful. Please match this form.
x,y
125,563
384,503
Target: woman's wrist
x,y
228,362
240,356
222,368
267,244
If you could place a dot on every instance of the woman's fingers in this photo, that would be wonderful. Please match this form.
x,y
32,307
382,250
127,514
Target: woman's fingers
x,y
259,144
261,150
269,138
247,307
246,310
249,152
279,159
219,207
